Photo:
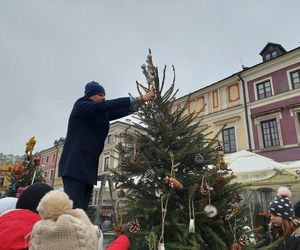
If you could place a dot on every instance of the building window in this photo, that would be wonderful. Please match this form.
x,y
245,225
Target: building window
x,y
271,55
297,124
2,179
53,158
264,90
47,159
229,142
295,77
106,163
270,133
109,139
51,174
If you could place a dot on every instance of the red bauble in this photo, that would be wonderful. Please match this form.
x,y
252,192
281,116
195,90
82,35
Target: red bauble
x,y
19,170
37,161
236,246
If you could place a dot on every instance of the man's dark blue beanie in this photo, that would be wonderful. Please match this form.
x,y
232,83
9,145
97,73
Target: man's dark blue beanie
x,y
93,88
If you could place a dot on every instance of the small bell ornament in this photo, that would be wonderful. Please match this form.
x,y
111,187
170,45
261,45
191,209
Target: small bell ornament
x,y
210,211
192,226
192,216
161,246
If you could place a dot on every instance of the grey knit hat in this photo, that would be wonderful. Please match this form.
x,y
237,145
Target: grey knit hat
x,y
281,205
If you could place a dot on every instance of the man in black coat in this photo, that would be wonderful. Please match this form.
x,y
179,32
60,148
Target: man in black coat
x,y
87,130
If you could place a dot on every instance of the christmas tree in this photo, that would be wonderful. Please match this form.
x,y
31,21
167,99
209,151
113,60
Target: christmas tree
x,y
27,173
174,179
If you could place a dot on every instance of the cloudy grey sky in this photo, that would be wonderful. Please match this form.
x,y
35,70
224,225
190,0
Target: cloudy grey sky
x,y
49,49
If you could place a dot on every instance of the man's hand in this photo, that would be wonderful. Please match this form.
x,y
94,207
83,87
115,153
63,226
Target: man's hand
x,y
148,96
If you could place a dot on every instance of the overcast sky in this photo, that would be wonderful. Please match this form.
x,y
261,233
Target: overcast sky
x,y
49,49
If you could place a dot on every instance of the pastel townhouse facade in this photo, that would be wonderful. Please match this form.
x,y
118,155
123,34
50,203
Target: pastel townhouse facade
x,y
273,96
221,107
255,109
49,161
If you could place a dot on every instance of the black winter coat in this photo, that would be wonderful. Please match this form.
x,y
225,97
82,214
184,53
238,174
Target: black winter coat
x,y
293,243
87,130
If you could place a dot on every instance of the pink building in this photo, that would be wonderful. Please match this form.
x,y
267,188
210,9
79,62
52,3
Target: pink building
x,y
273,89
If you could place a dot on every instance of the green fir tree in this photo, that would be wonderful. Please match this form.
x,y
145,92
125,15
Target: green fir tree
x,y
173,179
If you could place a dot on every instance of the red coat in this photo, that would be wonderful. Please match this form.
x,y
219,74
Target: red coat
x,y
121,243
15,228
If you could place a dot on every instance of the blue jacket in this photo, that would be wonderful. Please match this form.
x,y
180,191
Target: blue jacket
x,y
87,130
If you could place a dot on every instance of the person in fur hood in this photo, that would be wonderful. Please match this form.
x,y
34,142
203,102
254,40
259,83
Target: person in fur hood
x,y
284,232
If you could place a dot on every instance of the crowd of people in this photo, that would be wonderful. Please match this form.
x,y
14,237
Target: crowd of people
x,y
43,218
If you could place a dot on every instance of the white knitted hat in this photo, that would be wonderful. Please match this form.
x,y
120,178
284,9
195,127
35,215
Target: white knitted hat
x,y
61,227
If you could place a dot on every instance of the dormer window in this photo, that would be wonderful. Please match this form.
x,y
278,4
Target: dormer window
x,y
272,50
271,55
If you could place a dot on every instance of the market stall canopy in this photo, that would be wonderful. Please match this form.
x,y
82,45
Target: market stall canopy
x,y
249,167
295,164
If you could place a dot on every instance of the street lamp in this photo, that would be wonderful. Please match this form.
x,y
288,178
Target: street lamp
x,y
56,144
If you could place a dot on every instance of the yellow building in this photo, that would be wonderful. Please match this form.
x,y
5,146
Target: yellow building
x,y
5,163
221,110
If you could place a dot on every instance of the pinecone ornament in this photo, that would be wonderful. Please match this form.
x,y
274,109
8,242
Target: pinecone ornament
x,y
149,175
120,148
244,241
199,158
159,117
125,162
204,190
219,147
134,226
133,160
237,198
121,194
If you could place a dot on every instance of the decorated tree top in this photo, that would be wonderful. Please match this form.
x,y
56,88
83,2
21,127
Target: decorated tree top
x,y
27,173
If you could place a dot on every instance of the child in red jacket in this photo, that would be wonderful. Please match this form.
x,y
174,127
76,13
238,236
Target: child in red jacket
x,y
17,224
121,243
